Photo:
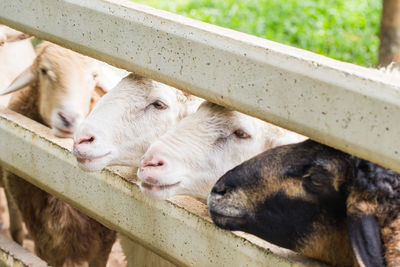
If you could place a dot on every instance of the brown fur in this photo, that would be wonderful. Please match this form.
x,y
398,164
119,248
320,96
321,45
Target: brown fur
x,y
61,233
25,101
388,219
391,239
361,204
97,94
326,240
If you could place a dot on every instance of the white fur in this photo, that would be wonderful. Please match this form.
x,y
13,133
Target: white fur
x,y
15,56
125,122
64,82
202,147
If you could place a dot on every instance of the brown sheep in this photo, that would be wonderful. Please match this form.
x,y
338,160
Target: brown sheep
x,y
57,90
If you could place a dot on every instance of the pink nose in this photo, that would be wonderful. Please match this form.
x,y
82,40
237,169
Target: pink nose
x,y
151,162
85,139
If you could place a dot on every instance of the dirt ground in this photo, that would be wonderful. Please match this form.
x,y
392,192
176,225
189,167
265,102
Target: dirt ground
x,y
116,258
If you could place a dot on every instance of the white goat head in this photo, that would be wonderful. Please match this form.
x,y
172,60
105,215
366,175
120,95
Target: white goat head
x,y
189,158
127,120
63,82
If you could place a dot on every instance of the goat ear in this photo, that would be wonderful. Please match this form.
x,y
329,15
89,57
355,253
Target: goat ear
x,y
107,76
25,78
10,35
17,36
97,94
365,239
103,84
100,91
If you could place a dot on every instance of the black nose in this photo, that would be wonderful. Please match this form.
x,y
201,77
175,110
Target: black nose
x,y
219,189
67,120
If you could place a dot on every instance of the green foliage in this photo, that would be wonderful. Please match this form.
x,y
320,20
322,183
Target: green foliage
x,y
342,29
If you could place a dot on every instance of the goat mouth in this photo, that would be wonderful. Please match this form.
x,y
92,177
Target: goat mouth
x,y
221,215
86,160
229,222
158,187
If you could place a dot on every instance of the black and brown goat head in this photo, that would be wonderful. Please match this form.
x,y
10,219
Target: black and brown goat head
x,y
295,196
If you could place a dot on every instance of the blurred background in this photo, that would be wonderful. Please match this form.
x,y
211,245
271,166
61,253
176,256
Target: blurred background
x,y
347,30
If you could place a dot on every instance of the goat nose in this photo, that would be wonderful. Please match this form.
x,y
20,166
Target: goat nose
x,y
67,120
87,139
152,162
219,189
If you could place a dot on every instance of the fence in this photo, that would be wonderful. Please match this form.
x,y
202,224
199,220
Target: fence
x,y
342,105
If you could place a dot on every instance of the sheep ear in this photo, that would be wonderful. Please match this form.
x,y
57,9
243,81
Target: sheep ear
x,y
25,78
10,35
100,91
97,94
107,76
365,239
17,36
103,84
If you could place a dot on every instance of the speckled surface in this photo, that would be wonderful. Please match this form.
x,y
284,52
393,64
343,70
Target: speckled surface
x,y
12,254
178,230
346,106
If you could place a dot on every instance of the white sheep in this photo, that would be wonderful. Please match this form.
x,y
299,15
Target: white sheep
x,y
135,114
56,90
16,54
189,158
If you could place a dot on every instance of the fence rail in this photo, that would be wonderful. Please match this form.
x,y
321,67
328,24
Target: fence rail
x,y
342,105
177,231
12,254
345,106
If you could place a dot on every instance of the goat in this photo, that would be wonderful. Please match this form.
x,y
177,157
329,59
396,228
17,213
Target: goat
x,y
56,90
121,127
316,200
187,159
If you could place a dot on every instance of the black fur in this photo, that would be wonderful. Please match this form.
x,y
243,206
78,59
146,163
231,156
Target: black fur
x,y
371,178
365,238
285,220
329,177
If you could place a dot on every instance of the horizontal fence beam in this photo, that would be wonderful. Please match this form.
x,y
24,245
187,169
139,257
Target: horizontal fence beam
x,y
13,255
342,105
170,230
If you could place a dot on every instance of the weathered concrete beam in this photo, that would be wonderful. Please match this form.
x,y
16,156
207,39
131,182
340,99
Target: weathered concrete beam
x,y
172,231
12,254
345,106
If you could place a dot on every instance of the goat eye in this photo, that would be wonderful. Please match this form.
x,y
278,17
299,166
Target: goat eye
x,y
316,182
95,75
159,105
241,134
43,71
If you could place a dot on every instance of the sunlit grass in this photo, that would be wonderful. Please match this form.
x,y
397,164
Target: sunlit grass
x,y
341,29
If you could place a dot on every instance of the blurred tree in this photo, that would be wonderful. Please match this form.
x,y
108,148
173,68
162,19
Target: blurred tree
x,y
389,48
